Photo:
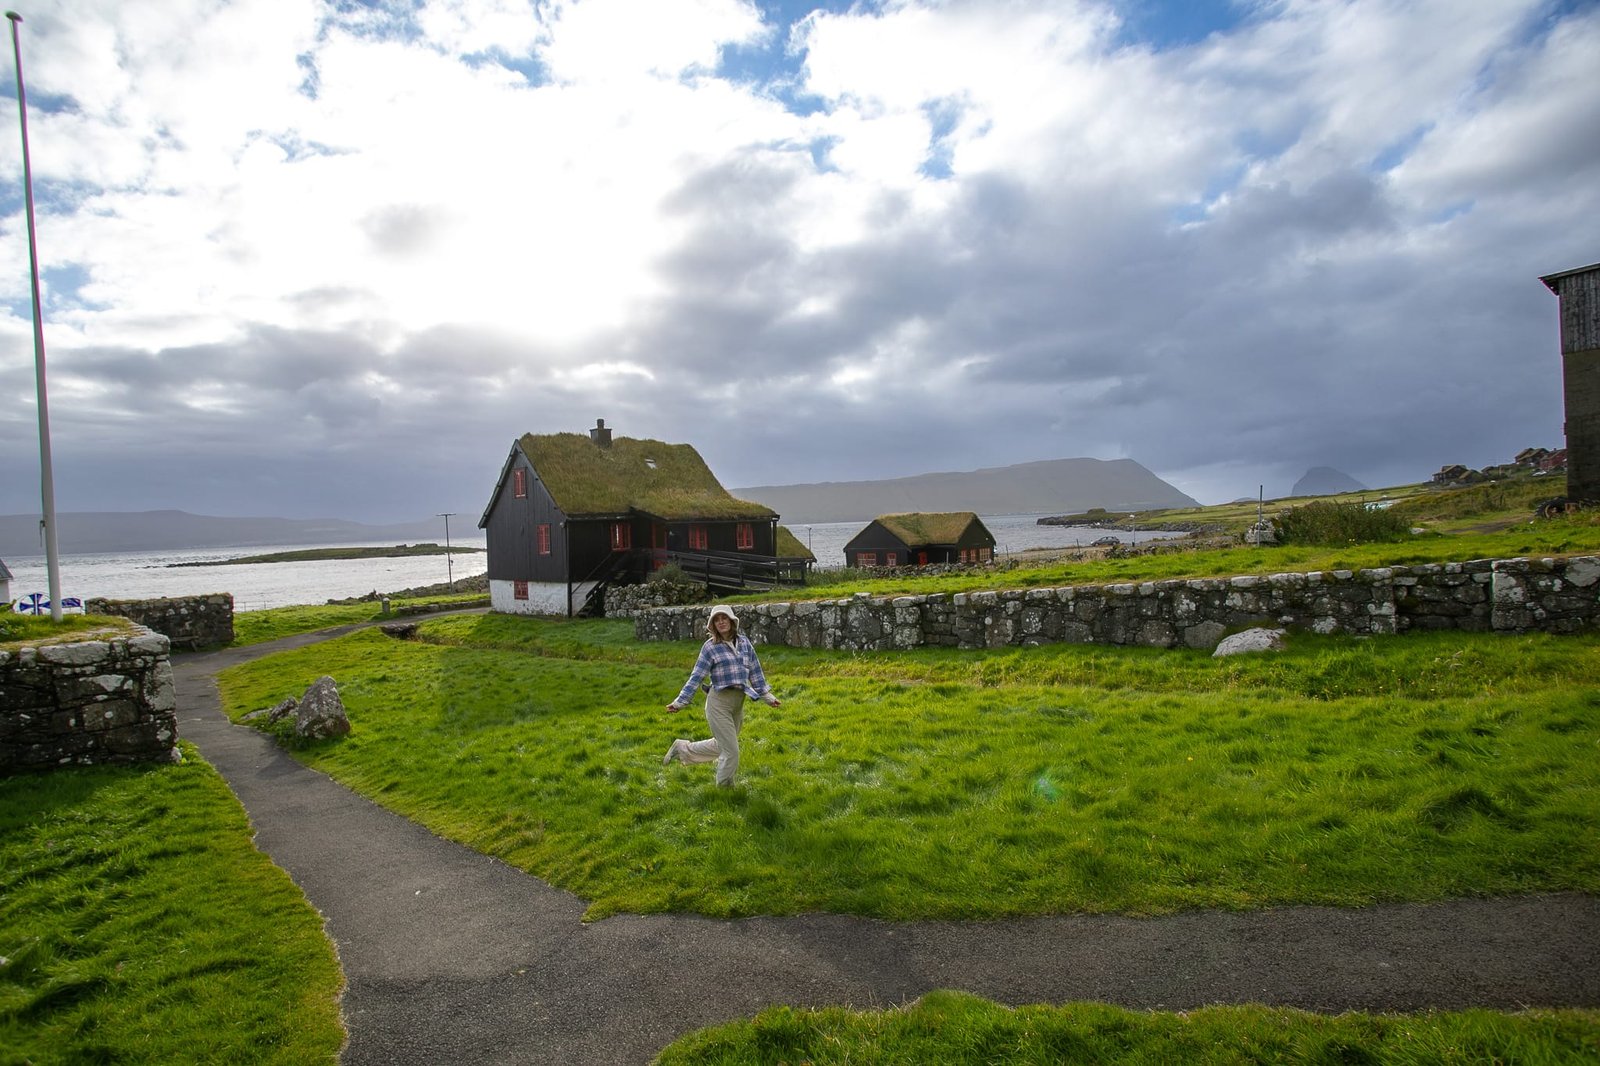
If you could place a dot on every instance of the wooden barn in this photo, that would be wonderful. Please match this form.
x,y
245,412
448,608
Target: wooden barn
x,y
1579,294
921,539
572,514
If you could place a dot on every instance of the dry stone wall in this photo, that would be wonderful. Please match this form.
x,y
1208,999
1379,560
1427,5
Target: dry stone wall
x,y
1506,595
88,702
189,622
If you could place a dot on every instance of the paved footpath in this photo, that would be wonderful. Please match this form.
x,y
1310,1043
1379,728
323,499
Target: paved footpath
x,y
451,956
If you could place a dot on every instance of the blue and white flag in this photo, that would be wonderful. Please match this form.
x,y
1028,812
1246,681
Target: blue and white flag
x,y
35,603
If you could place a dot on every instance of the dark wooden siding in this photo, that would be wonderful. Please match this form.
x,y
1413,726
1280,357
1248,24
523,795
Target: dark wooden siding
x,y
512,531
1579,293
1580,310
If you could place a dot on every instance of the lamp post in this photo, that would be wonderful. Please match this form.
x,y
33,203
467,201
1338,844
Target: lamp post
x,y
449,570
46,476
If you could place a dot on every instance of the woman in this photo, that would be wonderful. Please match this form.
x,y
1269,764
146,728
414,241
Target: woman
x,y
729,661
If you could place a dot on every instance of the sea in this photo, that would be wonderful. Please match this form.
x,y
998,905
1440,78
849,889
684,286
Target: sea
x,y
259,586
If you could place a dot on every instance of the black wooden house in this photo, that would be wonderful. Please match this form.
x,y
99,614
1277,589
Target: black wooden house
x,y
921,539
572,514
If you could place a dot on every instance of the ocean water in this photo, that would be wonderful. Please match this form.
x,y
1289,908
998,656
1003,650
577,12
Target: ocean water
x,y
258,586
255,586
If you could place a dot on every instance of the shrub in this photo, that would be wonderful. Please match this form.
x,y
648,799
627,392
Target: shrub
x,y
1325,522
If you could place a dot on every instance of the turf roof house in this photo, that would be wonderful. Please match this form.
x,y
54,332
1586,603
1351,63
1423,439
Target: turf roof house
x,y
573,513
921,539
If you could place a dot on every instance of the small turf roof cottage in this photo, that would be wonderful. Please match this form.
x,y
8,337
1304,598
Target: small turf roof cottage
x,y
572,514
921,539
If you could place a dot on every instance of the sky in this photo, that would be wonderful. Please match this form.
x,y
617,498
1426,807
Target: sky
x,y
330,259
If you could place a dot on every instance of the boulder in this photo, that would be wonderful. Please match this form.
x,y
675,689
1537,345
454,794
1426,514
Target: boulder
x,y
1250,640
321,713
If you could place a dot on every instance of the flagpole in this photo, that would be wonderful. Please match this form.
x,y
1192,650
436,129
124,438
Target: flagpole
x,y
46,476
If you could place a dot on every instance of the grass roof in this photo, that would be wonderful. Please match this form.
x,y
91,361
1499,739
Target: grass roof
x,y
669,481
789,546
945,527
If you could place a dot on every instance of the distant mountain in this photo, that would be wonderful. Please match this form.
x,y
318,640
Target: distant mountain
x,y
1325,481
1054,486
84,532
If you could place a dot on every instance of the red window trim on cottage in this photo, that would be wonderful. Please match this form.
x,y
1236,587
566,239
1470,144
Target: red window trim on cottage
x,y
544,539
519,590
697,538
744,536
866,558
519,483
621,536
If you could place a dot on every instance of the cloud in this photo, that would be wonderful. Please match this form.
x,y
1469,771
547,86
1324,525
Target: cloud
x,y
317,259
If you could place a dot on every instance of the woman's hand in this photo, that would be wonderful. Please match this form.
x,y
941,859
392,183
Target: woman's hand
x,y
673,708
773,701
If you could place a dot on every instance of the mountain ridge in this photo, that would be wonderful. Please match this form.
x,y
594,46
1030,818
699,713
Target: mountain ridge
x,y
1044,486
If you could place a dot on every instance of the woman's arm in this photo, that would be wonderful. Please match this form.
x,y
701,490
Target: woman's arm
x,y
702,666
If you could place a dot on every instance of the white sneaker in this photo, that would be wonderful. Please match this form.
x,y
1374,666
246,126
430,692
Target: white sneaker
x,y
672,753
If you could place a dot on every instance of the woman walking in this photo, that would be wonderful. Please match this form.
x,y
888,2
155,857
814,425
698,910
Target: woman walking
x,y
728,661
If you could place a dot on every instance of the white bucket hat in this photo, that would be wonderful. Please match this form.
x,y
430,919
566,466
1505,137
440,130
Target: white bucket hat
x,y
722,608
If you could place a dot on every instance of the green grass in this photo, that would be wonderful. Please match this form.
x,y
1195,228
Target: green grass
x,y
138,924
955,1029
258,627
19,629
1573,535
953,784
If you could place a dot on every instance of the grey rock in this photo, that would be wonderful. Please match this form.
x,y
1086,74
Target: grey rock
x,y
1250,640
321,714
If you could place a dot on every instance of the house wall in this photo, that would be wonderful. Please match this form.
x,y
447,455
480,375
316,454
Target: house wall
x,y
88,702
1579,296
547,598
511,530
1504,596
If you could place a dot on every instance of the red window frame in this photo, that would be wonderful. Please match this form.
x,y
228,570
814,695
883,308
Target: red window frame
x,y
697,538
519,483
890,559
621,536
519,590
866,558
544,538
744,536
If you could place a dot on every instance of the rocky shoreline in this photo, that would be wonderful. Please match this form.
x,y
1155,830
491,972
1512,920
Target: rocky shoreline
x,y
479,583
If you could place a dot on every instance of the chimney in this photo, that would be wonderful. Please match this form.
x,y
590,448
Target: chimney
x,y
600,434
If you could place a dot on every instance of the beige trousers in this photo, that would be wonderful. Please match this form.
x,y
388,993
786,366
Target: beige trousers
x,y
725,716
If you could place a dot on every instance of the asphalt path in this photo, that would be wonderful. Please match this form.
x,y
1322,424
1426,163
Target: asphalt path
x,y
451,956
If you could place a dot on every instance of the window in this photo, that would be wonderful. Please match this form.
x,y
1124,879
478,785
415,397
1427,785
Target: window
x,y
866,558
519,483
986,555
745,537
621,536
889,559
519,590
544,539
658,536
697,538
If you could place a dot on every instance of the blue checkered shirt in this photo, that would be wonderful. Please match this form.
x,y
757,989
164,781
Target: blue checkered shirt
x,y
727,666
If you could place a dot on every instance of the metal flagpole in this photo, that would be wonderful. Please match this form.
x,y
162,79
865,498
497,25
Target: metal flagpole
x,y
46,476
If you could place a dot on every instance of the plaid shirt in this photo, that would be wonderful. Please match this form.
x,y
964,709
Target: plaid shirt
x,y
728,666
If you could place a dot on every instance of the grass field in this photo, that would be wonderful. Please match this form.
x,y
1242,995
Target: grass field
x,y
954,1029
943,783
138,924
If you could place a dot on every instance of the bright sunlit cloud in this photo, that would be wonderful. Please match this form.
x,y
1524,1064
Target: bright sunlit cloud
x,y
1304,233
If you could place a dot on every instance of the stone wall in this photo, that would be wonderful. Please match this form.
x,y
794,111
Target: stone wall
x,y
626,601
189,622
1507,595
88,702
